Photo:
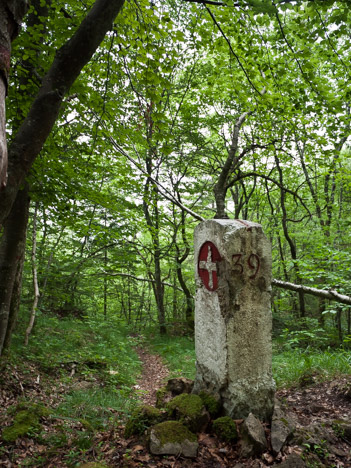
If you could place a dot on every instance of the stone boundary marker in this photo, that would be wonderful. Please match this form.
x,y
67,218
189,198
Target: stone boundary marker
x,y
233,319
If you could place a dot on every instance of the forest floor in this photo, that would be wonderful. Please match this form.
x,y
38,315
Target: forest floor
x,y
317,405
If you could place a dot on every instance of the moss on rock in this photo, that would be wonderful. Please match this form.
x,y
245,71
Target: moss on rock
x,y
189,410
212,404
173,431
225,429
173,438
161,396
36,408
186,404
142,417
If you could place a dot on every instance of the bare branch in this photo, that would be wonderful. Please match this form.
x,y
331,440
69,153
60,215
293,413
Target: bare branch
x,y
232,50
270,179
145,280
163,190
330,294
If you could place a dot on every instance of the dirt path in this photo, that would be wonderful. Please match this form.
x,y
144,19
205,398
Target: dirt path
x,y
153,375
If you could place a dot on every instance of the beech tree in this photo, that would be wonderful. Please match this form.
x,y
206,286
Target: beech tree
x,y
11,14
37,125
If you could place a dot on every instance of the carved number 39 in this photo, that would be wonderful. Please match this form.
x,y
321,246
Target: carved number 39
x,y
253,262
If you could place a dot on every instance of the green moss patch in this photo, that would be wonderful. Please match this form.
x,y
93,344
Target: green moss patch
x,y
186,405
225,429
173,432
189,410
143,417
161,395
35,408
212,405
26,421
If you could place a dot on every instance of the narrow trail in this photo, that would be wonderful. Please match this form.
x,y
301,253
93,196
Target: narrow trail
x,y
153,375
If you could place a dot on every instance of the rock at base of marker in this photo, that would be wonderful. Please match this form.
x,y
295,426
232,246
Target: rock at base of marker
x,y
173,438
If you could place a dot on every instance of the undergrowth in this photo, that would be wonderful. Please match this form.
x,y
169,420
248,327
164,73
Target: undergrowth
x,y
291,366
94,358
177,352
303,367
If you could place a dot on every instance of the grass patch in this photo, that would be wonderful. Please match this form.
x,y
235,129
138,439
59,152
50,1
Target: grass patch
x,y
92,346
291,367
97,406
178,353
95,359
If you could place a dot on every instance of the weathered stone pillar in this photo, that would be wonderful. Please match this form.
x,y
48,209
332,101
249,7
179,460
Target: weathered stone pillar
x,y
233,319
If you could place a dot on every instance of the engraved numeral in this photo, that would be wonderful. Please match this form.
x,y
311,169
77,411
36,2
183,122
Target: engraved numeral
x,y
237,258
253,263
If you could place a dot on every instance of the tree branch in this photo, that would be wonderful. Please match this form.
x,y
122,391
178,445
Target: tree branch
x,y
145,280
163,190
270,179
232,50
331,294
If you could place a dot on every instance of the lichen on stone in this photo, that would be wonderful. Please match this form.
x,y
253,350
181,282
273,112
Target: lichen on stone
x,y
225,429
142,418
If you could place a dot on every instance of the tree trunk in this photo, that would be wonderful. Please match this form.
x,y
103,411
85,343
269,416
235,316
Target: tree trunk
x,y
11,14
290,241
35,277
220,188
3,142
180,259
330,294
12,248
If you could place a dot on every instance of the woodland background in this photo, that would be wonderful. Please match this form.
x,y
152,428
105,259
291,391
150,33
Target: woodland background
x,y
187,110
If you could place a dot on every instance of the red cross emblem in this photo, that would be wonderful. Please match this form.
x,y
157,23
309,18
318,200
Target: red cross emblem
x,y
207,265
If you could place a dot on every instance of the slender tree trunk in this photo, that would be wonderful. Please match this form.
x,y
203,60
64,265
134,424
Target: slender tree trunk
x,y
220,188
290,241
321,309
339,324
35,277
159,291
152,216
15,302
3,142
12,248
105,277
329,197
